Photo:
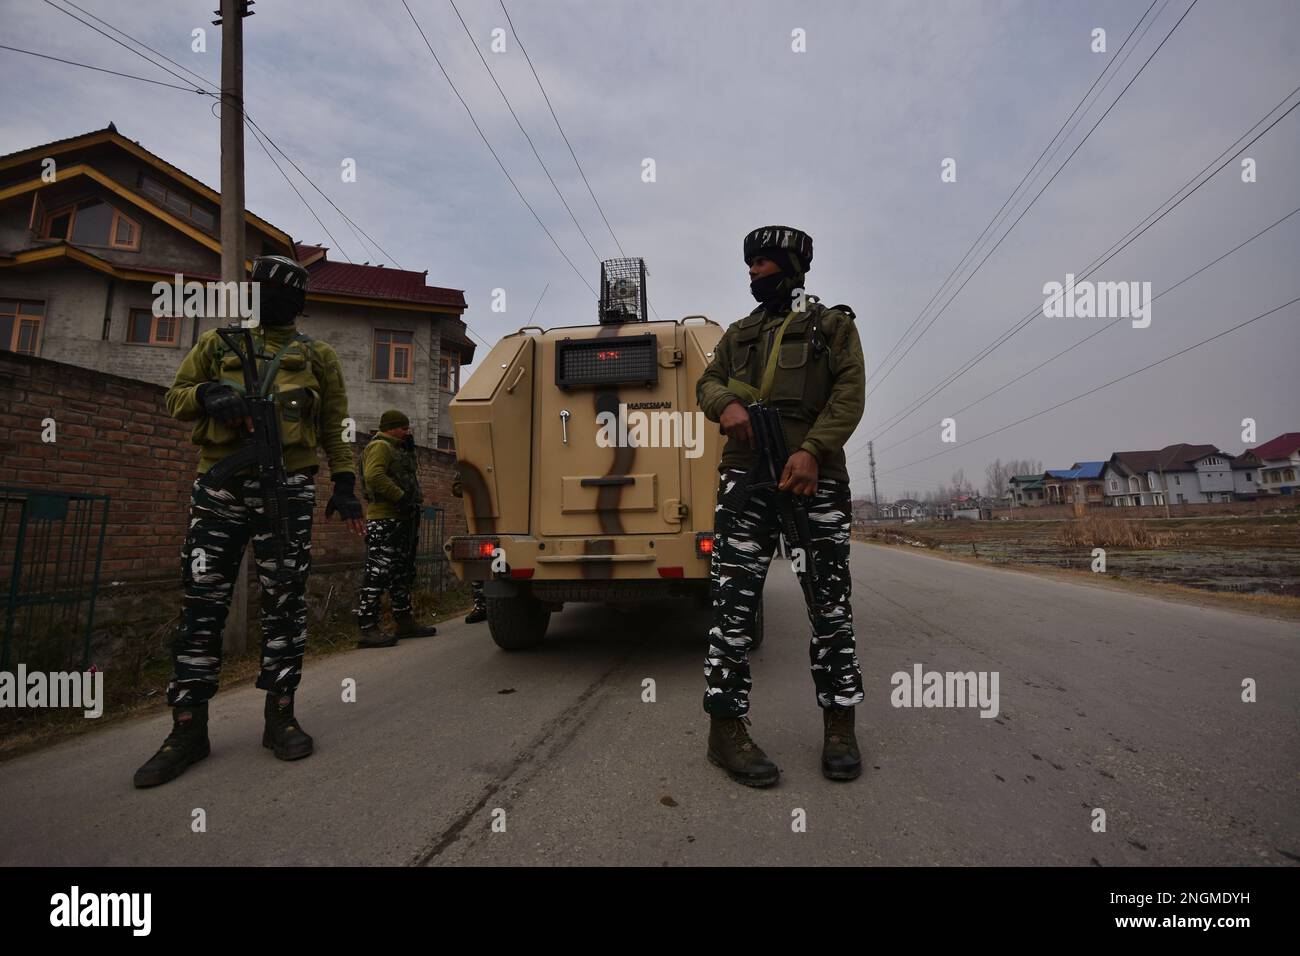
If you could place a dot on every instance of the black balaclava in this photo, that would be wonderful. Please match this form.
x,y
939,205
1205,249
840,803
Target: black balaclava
x,y
776,291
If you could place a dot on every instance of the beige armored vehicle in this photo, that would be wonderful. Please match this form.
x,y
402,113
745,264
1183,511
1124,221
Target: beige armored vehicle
x,y
589,473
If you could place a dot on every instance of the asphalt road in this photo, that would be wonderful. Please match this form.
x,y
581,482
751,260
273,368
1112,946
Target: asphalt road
x,y
1107,700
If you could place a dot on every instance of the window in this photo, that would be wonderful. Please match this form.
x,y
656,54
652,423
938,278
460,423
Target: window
x,y
92,222
20,326
449,372
446,443
394,356
1248,478
145,328
177,203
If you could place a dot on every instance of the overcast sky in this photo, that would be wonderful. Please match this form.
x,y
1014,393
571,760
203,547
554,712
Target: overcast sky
x,y
845,140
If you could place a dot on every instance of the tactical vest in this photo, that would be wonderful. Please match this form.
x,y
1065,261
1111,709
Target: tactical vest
x,y
801,384
296,386
402,469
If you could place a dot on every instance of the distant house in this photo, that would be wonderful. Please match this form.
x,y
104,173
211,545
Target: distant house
x,y
1027,491
1245,476
1214,476
81,250
965,506
1280,460
1082,481
907,508
1171,474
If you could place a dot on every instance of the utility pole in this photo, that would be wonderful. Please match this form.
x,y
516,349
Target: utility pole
x,y
231,20
871,458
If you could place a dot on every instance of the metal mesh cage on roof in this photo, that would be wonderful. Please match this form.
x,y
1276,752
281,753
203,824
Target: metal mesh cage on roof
x,y
622,291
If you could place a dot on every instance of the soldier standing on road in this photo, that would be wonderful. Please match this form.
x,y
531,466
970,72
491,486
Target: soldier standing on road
x,y
391,485
479,613
307,382
815,379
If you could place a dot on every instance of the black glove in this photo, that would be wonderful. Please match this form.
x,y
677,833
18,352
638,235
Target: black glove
x,y
344,499
222,403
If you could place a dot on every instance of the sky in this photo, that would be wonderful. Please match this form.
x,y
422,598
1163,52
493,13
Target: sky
x,y
845,138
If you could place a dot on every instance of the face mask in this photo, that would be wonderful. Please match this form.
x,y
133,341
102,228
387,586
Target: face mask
x,y
767,288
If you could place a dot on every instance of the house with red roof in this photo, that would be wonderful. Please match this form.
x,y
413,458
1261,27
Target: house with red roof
x,y
89,224
1279,463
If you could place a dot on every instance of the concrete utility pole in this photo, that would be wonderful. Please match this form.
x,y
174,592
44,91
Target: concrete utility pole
x,y
871,459
231,20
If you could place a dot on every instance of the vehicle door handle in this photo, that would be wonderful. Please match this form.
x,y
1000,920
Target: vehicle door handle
x,y
564,424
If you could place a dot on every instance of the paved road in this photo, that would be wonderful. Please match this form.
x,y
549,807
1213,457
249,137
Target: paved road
x,y
1109,700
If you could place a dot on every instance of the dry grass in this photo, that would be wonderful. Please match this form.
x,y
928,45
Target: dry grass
x,y
1096,532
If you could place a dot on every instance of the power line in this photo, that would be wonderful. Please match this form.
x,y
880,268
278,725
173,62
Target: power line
x,y
100,69
581,173
486,143
515,115
1121,244
247,119
1117,63
1108,325
1049,182
1098,388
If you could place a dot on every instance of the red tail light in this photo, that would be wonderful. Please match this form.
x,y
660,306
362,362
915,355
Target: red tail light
x,y
521,572
672,572
704,544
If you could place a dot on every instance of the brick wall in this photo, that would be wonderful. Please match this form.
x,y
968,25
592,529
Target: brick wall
x,y
114,437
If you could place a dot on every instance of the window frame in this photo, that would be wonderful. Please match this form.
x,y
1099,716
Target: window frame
x,y
110,240
450,362
169,194
153,329
20,317
393,347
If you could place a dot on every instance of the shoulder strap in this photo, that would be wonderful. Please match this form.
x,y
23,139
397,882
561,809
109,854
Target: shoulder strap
x,y
273,366
769,372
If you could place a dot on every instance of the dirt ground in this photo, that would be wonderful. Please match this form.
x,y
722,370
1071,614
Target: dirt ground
x,y
1252,557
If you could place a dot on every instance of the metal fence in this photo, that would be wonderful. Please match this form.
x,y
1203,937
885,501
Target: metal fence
x,y
432,570
51,546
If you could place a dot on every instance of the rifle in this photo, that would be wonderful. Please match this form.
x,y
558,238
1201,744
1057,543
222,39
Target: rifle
x,y
262,449
769,462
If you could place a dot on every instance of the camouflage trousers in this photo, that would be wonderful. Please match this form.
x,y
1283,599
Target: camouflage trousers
x,y
390,566
745,539
222,520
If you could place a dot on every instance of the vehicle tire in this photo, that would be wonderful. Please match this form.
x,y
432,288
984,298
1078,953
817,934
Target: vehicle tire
x,y
517,623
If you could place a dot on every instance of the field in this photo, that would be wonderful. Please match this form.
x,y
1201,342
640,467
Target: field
x,y
1246,555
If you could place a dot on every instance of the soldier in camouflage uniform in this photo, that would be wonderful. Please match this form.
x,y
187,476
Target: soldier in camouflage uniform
x,y
308,387
391,485
815,380
478,613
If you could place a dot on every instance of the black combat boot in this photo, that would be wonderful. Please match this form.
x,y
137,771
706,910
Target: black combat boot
x,y
731,748
283,734
186,744
406,627
840,757
371,636
480,605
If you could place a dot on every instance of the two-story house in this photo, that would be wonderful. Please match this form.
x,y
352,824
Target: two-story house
x,y
89,225
1280,461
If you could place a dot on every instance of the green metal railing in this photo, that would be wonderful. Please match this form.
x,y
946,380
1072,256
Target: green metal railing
x,y
432,569
51,546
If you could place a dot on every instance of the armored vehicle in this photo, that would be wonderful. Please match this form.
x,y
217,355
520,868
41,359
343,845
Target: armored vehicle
x,y
589,472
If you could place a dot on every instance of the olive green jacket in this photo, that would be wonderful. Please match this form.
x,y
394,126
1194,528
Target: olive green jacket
x,y
819,393
388,471
308,388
